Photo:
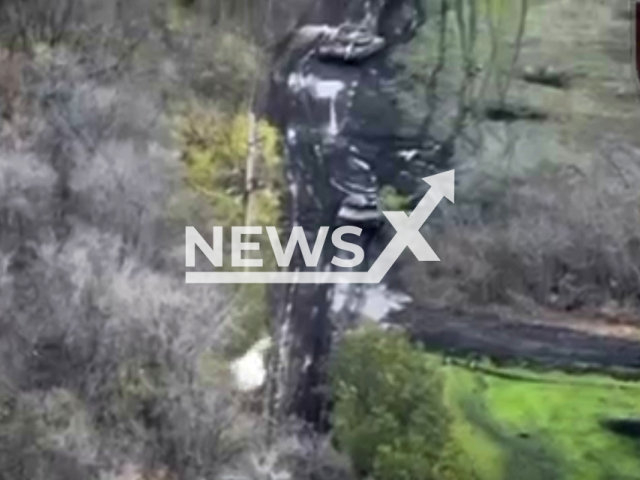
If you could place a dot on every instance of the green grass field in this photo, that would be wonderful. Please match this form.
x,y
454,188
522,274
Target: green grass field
x,y
516,425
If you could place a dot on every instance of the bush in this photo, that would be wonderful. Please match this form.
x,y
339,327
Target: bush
x,y
561,238
110,366
102,342
215,150
25,23
389,416
294,453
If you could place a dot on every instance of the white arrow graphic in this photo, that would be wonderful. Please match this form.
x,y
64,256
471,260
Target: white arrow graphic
x,y
407,235
408,227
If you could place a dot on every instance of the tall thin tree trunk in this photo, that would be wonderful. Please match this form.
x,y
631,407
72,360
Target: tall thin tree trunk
x,y
250,176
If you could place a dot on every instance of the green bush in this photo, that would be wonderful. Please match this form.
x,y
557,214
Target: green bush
x,y
389,416
393,200
215,148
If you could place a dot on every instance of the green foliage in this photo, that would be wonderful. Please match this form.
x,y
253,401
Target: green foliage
x,y
392,200
389,415
139,385
215,150
250,319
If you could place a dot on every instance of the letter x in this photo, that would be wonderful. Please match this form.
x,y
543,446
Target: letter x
x,y
408,235
408,228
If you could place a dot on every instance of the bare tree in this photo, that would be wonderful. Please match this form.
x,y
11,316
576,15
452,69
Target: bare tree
x,y
26,22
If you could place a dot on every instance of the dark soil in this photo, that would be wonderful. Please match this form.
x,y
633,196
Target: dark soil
x,y
460,333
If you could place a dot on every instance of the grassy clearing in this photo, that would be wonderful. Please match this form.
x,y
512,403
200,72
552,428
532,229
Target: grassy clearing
x,y
541,426
400,408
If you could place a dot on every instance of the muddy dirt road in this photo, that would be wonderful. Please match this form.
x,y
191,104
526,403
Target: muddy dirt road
x,y
485,335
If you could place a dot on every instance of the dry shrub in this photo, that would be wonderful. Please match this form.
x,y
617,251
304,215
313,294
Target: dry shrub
x,y
109,363
101,340
26,22
294,454
564,238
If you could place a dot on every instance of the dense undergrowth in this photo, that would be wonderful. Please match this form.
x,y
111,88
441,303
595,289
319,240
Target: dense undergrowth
x,y
546,213
122,122
110,367
389,414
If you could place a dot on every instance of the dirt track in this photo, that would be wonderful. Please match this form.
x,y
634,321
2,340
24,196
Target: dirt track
x,y
486,335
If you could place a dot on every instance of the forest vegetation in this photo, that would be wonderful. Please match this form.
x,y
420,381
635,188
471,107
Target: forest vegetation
x,y
123,121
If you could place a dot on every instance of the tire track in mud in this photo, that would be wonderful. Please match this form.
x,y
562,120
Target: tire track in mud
x,y
460,333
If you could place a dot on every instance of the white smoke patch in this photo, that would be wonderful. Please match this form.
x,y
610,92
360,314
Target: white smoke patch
x,y
250,371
